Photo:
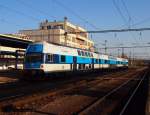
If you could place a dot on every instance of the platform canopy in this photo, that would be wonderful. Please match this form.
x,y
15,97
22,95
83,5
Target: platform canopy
x,y
14,42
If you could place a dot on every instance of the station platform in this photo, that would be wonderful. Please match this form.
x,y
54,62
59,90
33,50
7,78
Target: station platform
x,y
7,76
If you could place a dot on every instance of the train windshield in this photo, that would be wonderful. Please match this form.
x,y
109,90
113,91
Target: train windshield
x,y
33,58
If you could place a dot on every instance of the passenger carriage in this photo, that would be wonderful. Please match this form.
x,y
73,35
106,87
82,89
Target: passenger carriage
x,y
44,58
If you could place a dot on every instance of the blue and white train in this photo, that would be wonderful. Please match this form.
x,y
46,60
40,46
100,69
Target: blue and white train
x,y
44,58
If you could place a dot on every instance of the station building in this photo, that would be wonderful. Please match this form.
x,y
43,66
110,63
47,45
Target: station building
x,y
53,32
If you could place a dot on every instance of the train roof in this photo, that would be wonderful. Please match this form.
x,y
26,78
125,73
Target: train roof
x,y
65,50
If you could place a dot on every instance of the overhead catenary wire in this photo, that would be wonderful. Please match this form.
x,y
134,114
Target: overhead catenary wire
x,y
119,11
19,12
131,21
127,47
128,13
7,22
75,14
123,17
35,9
100,31
114,30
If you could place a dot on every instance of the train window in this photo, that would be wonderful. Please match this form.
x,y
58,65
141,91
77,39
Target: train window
x,y
79,53
63,58
82,53
105,61
86,53
96,60
89,54
31,58
50,58
99,60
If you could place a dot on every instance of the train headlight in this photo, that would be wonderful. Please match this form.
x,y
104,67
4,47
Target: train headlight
x,y
42,66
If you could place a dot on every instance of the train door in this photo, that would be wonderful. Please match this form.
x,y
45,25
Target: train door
x,y
92,63
74,63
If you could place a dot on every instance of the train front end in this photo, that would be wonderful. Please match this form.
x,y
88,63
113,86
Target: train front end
x,y
34,59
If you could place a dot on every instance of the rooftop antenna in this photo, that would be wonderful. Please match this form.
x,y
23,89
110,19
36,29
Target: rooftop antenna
x,y
46,20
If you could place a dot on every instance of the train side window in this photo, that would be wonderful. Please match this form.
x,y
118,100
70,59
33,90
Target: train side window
x,y
50,57
100,61
96,60
63,58
82,53
86,53
105,61
89,54
79,52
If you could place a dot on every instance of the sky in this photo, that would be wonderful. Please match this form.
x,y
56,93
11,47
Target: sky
x,y
16,15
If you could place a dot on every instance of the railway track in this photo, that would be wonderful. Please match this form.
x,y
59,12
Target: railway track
x,y
17,88
54,88
32,103
101,106
79,100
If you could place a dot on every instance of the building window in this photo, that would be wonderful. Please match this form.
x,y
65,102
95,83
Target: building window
x,y
50,58
60,27
49,27
73,39
63,58
42,27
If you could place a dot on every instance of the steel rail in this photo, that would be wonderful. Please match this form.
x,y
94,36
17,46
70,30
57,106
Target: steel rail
x,y
99,100
131,97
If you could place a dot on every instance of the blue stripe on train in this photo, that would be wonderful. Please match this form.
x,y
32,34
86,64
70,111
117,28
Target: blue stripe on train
x,y
69,60
112,62
83,60
80,60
